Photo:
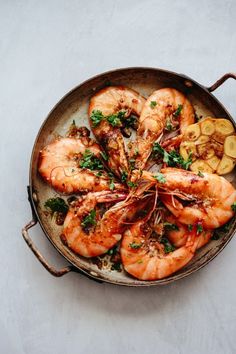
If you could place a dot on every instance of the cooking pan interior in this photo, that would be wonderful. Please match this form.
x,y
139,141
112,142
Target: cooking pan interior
x,y
74,106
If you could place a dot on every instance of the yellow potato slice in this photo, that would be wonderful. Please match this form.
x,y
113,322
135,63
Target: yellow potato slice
x,y
192,132
205,151
230,146
208,126
224,126
203,139
213,162
226,165
188,149
201,165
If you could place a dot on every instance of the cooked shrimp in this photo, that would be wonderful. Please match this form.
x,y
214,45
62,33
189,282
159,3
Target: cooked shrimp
x,y
104,109
212,197
144,257
59,165
179,236
164,104
89,234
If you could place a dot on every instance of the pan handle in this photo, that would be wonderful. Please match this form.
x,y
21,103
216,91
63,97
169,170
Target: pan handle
x,y
28,240
219,82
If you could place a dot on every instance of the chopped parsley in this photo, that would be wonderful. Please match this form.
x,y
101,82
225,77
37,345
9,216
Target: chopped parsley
x,y
131,122
136,152
233,206
112,185
135,245
132,164
116,119
200,174
57,205
113,251
172,158
124,176
168,247
104,155
116,266
90,161
96,117
190,227
132,184
178,110
169,125
169,226
199,229
153,104
89,220
160,178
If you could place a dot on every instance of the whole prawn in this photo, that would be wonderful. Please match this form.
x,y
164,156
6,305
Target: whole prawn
x,y
88,233
104,109
210,196
59,165
144,257
162,105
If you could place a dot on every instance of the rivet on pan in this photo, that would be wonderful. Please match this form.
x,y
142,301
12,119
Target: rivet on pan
x,y
93,274
188,83
35,198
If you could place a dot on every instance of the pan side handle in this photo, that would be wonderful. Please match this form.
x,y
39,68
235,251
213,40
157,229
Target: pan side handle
x,y
219,82
34,249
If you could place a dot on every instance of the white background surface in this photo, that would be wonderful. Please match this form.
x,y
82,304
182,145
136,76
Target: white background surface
x,y
46,48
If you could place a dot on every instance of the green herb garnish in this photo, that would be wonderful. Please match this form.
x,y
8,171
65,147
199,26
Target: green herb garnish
x,y
135,245
233,206
169,226
57,205
132,184
89,220
168,247
104,155
160,177
90,161
172,158
112,185
199,229
132,164
153,104
124,176
169,125
190,227
116,266
96,117
200,174
178,110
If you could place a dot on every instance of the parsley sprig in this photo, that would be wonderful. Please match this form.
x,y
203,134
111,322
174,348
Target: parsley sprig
x,y
116,119
57,205
172,158
160,177
89,220
90,161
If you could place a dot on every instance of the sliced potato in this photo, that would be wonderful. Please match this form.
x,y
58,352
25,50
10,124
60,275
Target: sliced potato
x,y
201,165
208,126
192,132
224,126
188,149
213,162
226,165
230,146
205,151
203,139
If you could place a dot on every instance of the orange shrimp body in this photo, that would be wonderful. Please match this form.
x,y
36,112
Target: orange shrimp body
x,y
214,197
109,101
144,257
59,166
162,104
179,237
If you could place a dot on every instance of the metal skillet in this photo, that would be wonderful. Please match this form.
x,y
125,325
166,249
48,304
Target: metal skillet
x,y
74,105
